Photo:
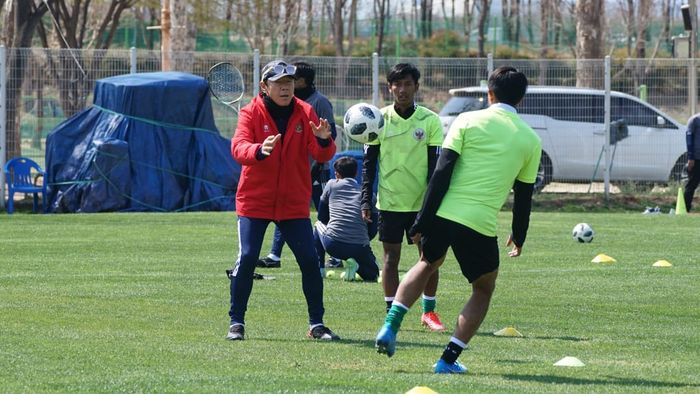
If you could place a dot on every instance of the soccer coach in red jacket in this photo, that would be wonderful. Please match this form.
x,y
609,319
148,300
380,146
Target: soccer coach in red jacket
x,y
276,133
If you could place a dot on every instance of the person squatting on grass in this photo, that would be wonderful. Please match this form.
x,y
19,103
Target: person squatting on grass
x,y
485,154
692,140
340,230
276,133
305,89
406,152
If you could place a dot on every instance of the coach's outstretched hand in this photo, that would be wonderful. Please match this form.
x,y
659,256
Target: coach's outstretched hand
x,y
322,130
515,252
269,144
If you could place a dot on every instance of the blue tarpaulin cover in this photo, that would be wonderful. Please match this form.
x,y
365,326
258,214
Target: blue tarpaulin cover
x,y
148,143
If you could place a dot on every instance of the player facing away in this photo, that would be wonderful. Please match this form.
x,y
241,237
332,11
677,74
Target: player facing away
x,y
276,133
485,154
406,152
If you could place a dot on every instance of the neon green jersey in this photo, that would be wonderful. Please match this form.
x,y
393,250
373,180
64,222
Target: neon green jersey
x,y
495,148
403,158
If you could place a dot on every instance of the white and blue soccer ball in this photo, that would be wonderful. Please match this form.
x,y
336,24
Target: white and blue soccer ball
x,y
583,233
363,122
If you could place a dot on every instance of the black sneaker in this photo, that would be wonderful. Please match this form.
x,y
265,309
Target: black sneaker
x,y
322,333
268,263
236,332
334,263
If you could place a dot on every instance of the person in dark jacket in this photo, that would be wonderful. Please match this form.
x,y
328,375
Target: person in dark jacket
x,y
275,136
692,140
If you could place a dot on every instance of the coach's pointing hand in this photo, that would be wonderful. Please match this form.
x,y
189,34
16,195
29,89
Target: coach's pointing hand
x,y
323,130
269,144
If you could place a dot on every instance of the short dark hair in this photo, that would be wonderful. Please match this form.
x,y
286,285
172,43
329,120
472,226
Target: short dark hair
x,y
508,85
346,167
402,70
306,71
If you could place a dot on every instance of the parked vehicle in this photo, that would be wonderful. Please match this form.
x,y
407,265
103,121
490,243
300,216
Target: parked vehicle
x,y
570,122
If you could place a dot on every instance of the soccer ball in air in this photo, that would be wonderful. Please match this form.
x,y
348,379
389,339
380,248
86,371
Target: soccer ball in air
x,y
582,232
363,122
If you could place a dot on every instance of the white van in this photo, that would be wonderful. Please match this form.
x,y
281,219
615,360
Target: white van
x,y
570,122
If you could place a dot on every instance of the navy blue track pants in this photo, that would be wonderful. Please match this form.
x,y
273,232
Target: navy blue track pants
x,y
299,237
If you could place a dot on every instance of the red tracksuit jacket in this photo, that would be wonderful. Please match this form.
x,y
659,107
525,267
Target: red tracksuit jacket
x,y
279,186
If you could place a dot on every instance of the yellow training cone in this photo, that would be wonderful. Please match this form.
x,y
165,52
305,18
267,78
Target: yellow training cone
x,y
421,390
603,259
569,362
680,203
508,332
330,274
662,263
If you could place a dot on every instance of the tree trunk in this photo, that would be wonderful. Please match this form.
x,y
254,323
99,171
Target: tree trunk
x,y
469,6
481,26
643,28
309,25
26,18
352,29
631,25
589,42
380,16
183,34
339,34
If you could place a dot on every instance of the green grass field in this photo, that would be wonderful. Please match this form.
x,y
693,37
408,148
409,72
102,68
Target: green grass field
x,y
138,303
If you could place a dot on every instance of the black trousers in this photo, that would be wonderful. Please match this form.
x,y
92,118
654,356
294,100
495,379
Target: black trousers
x,y
692,184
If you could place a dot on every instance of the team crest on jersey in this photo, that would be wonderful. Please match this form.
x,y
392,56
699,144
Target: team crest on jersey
x,y
419,134
266,129
298,129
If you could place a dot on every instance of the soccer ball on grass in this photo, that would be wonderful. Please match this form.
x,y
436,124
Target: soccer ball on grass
x,y
583,233
363,122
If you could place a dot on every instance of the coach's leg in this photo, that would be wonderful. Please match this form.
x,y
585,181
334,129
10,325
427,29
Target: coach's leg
x,y
300,239
250,237
475,309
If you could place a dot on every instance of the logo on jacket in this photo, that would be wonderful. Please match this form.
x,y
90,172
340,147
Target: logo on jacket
x,y
266,129
419,134
298,129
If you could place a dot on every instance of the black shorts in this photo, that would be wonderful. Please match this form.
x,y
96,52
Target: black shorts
x,y
477,254
393,225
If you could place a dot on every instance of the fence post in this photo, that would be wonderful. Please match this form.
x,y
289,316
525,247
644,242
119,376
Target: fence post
x,y
375,79
3,119
692,84
256,72
132,60
606,170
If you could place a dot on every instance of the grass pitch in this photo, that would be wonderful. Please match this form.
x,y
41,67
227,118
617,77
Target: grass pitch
x,y
138,303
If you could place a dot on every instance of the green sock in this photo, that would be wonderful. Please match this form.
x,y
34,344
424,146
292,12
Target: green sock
x,y
428,304
395,317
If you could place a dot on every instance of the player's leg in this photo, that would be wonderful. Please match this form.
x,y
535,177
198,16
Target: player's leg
x,y
434,251
391,232
478,259
429,317
250,237
367,263
299,237
319,230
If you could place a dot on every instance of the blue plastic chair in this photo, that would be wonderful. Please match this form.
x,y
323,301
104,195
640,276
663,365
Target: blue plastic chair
x,y
18,175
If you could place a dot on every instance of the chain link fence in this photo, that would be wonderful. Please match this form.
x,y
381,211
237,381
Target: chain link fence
x,y
566,104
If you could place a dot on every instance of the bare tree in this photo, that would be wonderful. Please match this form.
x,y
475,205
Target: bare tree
x,y
183,34
309,25
352,29
426,18
339,26
80,25
484,13
467,17
643,20
380,14
589,41
264,22
26,15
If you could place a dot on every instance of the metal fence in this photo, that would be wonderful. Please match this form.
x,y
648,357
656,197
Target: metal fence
x,y
42,87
